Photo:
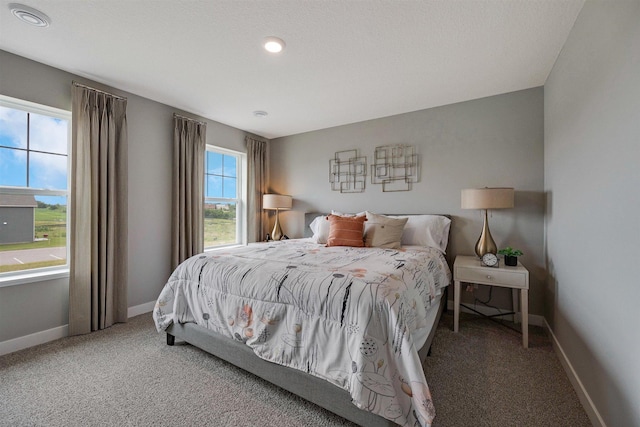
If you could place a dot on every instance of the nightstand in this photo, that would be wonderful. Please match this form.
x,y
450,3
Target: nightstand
x,y
469,269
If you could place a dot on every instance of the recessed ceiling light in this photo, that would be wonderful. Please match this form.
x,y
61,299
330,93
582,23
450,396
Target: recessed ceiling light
x,y
260,113
273,44
29,15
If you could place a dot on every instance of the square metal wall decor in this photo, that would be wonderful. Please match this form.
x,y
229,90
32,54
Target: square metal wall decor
x,y
396,167
348,172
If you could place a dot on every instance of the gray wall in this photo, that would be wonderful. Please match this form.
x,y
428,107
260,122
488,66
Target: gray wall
x,y
34,307
592,180
495,141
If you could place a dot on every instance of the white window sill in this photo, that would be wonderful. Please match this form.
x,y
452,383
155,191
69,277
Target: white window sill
x,y
19,279
219,248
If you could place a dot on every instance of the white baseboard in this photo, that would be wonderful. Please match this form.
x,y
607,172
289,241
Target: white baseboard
x,y
534,319
20,343
30,340
585,399
137,310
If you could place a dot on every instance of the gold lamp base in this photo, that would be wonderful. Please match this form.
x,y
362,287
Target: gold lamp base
x,y
485,243
277,234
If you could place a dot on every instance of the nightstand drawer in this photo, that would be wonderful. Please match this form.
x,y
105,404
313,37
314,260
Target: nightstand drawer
x,y
486,275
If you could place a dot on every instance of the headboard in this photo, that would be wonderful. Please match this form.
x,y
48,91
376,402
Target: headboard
x,y
310,216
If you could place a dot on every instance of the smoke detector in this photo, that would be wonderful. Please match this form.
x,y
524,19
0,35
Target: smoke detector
x,y
29,15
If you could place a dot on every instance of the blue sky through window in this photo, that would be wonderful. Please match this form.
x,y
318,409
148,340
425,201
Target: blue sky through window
x,y
13,167
229,166
13,127
229,189
48,171
46,134
214,163
214,186
221,176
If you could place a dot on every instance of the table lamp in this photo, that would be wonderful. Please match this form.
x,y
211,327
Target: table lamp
x,y
487,198
277,202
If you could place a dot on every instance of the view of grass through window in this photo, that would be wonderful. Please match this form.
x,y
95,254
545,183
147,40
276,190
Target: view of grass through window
x,y
49,244
219,224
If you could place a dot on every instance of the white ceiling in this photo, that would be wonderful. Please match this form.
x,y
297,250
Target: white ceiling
x,y
344,61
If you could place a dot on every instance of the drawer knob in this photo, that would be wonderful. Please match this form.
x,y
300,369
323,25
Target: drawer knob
x,y
488,277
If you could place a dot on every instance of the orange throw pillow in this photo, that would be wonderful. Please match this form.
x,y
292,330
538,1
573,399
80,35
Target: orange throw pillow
x,y
346,231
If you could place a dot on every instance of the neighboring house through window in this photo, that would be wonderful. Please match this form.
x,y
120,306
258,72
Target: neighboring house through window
x,y
224,202
17,210
34,164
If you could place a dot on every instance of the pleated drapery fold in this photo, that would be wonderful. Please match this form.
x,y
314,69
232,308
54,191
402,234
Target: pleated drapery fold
x,y
187,216
256,188
98,217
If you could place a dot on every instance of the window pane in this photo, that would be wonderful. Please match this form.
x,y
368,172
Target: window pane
x,y
230,166
48,134
33,231
13,127
214,186
13,167
214,163
219,224
33,227
222,180
48,171
230,186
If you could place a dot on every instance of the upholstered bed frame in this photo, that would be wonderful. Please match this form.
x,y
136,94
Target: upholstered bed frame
x,y
309,387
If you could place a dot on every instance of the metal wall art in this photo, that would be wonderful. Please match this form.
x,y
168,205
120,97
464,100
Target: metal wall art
x,y
348,172
396,167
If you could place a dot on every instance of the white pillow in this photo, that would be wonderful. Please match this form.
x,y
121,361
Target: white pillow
x,y
383,232
320,228
348,214
426,230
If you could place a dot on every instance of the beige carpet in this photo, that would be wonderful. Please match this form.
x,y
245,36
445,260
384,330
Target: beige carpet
x,y
127,376
482,376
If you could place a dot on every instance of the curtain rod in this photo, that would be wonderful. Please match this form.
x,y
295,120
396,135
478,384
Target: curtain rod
x,y
98,90
189,118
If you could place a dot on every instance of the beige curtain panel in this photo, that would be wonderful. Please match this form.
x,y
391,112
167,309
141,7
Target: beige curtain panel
x,y
98,203
256,187
187,215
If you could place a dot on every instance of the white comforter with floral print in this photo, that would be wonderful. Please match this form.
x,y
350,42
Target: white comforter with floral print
x,y
342,314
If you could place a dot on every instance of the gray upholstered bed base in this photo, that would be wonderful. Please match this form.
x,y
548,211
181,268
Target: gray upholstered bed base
x,y
305,385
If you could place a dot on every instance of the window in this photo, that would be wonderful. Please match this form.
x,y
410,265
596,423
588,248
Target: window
x,y
34,164
223,201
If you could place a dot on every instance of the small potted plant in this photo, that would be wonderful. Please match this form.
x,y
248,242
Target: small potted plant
x,y
510,255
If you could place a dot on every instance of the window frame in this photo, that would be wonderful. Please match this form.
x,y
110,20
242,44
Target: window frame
x,y
17,277
241,192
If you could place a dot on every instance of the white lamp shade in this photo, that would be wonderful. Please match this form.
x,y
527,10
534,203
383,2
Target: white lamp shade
x,y
276,201
487,198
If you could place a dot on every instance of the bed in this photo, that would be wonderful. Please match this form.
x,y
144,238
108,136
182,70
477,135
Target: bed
x,y
346,328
